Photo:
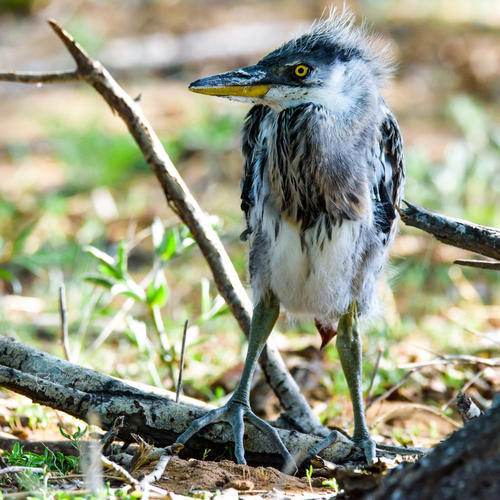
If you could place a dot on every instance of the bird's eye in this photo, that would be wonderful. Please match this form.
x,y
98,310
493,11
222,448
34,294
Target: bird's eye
x,y
301,70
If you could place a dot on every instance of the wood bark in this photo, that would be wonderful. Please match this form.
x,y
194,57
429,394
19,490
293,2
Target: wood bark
x,y
464,466
459,233
80,392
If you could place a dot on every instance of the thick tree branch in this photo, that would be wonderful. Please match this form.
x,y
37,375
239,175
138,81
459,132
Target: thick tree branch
x,y
79,391
459,233
186,207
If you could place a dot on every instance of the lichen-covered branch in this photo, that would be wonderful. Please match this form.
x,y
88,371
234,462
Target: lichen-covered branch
x,y
80,391
459,233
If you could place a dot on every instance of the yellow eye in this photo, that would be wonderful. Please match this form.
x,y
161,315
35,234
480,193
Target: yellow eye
x,y
301,70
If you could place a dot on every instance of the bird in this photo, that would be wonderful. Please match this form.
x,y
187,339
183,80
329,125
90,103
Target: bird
x,y
322,183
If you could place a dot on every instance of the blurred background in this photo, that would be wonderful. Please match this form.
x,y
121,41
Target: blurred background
x,y
79,205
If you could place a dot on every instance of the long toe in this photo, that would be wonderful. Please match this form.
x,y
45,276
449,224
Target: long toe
x,y
400,450
235,418
234,413
328,441
289,465
198,424
369,449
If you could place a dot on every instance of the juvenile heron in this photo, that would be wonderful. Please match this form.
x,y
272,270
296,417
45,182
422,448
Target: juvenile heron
x,y
322,180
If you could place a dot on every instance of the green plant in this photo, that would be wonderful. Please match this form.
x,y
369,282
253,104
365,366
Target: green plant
x,y
309,473
332,483
75,437
50,461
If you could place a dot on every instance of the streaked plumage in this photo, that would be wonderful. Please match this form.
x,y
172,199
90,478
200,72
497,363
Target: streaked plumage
x,y
322,181
320,185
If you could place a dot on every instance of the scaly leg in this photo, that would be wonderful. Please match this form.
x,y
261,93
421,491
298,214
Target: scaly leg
x,y
264,317
349,349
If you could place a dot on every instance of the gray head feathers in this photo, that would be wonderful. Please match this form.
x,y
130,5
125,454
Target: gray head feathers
x,y
337,38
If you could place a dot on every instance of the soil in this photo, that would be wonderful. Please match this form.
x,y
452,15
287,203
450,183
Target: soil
x,y
188,476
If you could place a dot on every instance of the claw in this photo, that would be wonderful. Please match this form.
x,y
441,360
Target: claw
x,y
369,448
234,413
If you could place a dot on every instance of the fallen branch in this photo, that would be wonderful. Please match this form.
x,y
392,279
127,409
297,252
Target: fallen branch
x,y
186,207
459,233
80,391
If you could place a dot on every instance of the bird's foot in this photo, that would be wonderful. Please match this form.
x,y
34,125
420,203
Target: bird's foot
x,y
328,441
369,447
366,444
402,450
234,413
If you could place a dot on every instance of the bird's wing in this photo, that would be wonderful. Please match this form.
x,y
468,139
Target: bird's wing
x,y
393,151
255,158
388,187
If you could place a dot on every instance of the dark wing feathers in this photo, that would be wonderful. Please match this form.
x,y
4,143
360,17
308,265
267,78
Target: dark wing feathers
x,y
331,190
389,188
393,149
255,157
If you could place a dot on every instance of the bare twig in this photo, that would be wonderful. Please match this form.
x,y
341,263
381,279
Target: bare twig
x,y
389,391
185,206
470,382
410,408
459,233
125,475
481,264
454,359
181,363
64,323
17,468
110,436
168,453
482,336
40,78
374,374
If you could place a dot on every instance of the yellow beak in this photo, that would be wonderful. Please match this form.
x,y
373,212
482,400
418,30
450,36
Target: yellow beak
x,y
233,90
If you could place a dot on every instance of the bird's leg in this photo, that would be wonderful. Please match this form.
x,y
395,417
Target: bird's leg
x,y
264,317
349,349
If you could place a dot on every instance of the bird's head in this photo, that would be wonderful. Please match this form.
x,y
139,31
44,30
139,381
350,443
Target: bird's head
x,y
334,64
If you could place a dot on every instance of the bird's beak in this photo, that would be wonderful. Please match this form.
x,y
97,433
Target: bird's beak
x,y
250,82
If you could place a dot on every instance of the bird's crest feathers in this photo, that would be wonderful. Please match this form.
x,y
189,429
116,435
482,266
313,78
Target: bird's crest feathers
x,y
339,30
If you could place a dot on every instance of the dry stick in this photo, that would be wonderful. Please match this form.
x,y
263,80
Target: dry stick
x,y
18,468
470,382
374,374
387,393
482,336
64,323
185,206
459,233
168,453
110,436
181,363
40,78
481,264
454,359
